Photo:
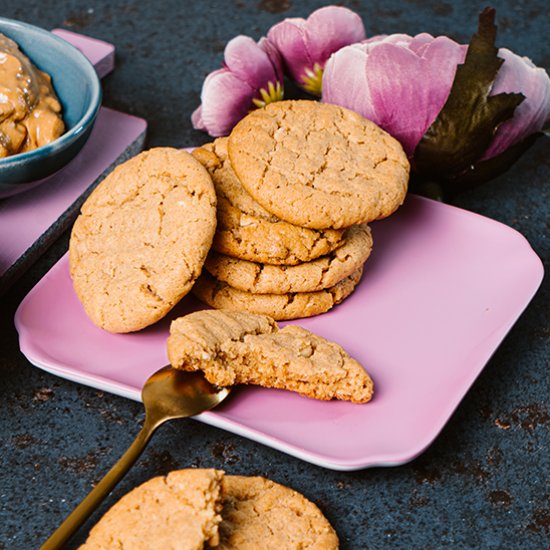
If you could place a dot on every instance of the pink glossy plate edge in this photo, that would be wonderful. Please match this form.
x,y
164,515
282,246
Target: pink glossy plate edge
x,y
529,287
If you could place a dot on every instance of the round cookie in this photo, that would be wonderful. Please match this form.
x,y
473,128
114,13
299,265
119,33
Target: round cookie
x,y
141,239
310,276
318,165
249,232
280,307
259,513
180,510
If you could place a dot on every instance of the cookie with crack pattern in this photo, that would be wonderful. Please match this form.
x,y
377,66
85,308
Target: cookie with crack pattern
x,y
318,165
248,231
259,513
318,274
141,239
182,511
280,307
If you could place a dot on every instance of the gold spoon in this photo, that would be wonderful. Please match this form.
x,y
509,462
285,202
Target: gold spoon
x,y
169,393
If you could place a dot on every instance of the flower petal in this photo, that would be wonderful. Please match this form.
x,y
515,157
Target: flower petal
x,y
331,28
225,99
289,38
375,38
306,43
274,57
248,61
419,42
519,74
397,39
345,80
407,99
196,119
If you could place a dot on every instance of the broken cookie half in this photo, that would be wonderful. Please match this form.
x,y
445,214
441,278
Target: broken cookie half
x,y
179,510
233,347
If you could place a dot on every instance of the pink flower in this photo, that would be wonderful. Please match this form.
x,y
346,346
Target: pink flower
x,y
251,77
305,45
401,83
519,74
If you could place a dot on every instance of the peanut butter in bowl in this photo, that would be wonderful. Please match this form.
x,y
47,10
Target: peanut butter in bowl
x,y
30,112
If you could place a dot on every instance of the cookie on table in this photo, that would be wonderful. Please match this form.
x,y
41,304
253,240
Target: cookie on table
x,y
220,295
249,232
259,513
234,347
312,276
318,165
141,239
180,510
188,508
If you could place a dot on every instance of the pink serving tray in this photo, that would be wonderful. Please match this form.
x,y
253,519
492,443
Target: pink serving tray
x,y
439,294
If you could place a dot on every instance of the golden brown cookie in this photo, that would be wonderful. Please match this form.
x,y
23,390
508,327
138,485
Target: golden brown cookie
x,y
318,165
233,347
310,276
249,232
220,295
259,513
180,510
141,239
194,338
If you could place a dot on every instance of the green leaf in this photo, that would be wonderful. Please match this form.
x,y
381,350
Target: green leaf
x,y
465,127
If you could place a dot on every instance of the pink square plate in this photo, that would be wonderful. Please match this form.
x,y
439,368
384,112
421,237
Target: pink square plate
x,y
439,294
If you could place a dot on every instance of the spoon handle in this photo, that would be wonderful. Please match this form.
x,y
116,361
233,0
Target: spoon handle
x,y
85,509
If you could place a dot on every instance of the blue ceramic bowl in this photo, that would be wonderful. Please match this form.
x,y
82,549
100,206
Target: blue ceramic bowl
x,y
78,88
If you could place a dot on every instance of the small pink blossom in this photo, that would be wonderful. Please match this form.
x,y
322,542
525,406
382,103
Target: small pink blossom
x,y
401,83
306,44
519,74
251,77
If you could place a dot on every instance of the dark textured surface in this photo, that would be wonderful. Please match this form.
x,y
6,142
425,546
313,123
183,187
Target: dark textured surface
x,y
483,482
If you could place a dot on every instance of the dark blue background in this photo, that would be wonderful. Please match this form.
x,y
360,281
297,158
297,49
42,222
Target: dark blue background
x,y
482,484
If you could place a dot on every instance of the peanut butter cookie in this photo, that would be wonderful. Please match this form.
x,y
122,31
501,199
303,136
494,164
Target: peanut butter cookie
x,y
220,295
259,513
141,239
318,274
180,510
248,231
243,348
317,165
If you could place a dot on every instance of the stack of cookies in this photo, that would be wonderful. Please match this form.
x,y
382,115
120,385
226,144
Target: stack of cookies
x,y
296,184
273,219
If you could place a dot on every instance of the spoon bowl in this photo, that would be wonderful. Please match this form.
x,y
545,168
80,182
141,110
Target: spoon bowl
x,y
167,394
171,393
